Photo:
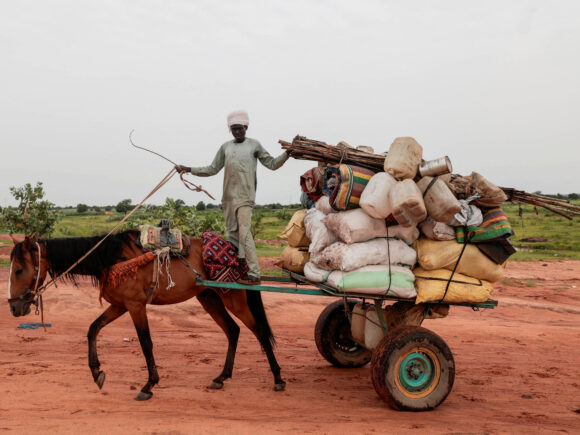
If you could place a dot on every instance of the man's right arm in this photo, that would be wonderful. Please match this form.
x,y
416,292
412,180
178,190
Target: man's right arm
x,y
206,171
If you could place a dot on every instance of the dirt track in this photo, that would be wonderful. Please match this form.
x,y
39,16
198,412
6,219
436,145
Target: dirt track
x,y
517,368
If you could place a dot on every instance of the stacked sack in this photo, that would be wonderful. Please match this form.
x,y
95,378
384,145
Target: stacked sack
x,y
407,232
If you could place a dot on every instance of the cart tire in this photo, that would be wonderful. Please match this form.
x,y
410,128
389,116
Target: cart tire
x,y
334,340
412,369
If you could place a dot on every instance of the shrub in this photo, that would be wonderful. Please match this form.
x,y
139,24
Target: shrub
x,y
33,217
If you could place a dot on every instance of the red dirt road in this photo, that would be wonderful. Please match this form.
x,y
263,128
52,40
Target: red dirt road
x,y
517,368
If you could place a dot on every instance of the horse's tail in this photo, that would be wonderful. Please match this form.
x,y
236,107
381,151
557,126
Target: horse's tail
x,y
263,329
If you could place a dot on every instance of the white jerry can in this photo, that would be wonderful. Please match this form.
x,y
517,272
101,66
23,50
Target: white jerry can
x,y
357,324
373,329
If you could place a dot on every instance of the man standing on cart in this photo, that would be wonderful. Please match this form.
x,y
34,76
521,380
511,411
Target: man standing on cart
x,y
239,159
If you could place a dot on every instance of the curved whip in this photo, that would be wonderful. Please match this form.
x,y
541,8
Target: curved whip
x,y
186,183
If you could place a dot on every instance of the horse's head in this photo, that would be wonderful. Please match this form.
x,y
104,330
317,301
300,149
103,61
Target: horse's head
x,y
28,268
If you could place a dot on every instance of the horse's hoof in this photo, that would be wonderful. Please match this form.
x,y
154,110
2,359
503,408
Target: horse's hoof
x,y
280,386
216,385
100,379
143,396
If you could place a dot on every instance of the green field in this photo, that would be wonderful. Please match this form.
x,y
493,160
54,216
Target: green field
x,y
563,235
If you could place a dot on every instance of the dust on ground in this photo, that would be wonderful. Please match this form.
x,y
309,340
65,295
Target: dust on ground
x,y
517,368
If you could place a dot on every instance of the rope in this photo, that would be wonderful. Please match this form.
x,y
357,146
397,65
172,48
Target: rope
x,y
466,239
43,288
389,260
164,261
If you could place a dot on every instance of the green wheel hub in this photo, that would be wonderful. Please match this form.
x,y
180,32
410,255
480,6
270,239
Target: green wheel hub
x,y
416,372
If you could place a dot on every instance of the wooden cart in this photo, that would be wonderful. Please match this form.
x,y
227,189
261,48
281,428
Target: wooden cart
x,y
412,368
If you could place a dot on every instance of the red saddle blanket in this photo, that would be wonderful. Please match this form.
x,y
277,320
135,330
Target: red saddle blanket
x,y
220,258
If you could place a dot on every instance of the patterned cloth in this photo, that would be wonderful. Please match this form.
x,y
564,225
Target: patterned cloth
x,y
220,258
495,226
344,185
311,183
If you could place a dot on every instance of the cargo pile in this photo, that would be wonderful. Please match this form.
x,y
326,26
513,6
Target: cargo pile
x,y
410,229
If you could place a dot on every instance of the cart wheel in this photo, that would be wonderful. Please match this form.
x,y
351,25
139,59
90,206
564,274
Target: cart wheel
x,y
412,369
334,340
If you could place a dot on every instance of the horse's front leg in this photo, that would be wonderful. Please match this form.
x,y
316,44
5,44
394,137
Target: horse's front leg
x,y
138,313
110,314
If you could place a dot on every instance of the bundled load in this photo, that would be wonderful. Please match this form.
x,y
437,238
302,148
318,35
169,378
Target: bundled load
x,y
397,225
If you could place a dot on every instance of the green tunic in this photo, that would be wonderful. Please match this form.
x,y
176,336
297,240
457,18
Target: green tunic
x,y
239,161
239,195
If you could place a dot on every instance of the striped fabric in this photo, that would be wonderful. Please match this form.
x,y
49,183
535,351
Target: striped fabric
x,y
344,185
495,225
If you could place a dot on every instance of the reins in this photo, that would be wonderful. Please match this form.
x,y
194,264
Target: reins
x,y
165,179
36,293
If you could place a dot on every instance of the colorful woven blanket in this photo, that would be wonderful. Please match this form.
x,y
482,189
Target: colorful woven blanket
x,y
495,226
344,185
220,258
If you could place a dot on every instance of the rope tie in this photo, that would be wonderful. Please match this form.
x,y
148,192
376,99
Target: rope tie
x,y
164,262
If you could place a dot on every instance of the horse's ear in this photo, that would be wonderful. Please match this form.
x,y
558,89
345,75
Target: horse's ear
x,y
14,241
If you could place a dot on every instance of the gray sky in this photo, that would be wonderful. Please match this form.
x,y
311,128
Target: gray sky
x,y
494,85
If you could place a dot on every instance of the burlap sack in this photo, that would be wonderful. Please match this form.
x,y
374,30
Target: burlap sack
x,y
295,232
431,287
432,255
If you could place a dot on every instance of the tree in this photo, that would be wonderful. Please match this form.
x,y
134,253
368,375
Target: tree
x,y
124,206
200,206
82,208
573,196
33,217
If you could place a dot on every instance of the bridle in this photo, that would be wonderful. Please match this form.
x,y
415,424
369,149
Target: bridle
x,y
34,295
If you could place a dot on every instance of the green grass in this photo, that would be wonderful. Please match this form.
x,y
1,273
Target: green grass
x,y
77,225
563,234
267,250
4,262
273,272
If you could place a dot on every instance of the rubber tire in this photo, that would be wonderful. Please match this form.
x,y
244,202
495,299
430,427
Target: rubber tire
x,y
333,338
392,349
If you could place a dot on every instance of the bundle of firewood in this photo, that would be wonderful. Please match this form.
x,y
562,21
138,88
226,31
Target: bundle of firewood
x,y
303,148
306,149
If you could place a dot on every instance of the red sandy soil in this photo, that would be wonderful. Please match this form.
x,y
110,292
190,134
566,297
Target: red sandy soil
x,y
517,368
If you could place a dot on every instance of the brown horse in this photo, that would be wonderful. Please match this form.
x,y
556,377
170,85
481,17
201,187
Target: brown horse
x,y
31,261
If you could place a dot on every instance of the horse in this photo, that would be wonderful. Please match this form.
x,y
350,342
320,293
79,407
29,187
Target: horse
x,y
32,260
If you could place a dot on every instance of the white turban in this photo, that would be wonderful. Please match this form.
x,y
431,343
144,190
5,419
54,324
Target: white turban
x,y
239,117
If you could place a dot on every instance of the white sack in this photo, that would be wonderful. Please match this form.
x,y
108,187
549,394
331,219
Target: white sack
x,y
355,226
406,234
375,280
323,204
375,197
314,273
320,236
340,256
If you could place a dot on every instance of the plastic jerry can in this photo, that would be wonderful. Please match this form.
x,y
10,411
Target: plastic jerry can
x,y
403,158
440,202
358,321
374,199
407,203
373,329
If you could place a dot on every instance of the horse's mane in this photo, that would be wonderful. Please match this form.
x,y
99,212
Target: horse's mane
x,y
64,252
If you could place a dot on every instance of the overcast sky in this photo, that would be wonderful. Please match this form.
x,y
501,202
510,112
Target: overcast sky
x,y
494,85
